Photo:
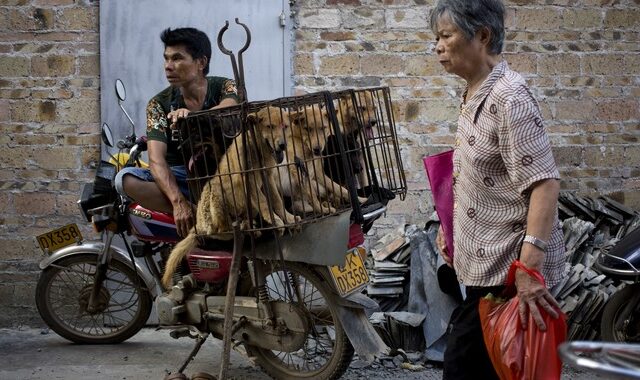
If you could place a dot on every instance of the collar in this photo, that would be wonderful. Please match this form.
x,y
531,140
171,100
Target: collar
x,y
474,105
177,100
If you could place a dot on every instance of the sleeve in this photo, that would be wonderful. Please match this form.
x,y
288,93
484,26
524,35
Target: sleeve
x,y
524,144
157,123
229,90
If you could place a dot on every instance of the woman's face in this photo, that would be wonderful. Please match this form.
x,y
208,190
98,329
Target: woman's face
x,y
456,53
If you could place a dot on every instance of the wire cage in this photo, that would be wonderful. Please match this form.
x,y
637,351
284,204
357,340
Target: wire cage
x,y
281,163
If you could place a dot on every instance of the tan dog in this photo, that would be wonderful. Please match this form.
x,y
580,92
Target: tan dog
x,y
305,142
223,196
309,132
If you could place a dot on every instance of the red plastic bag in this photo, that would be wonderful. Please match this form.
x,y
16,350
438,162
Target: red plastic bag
x,y
518,353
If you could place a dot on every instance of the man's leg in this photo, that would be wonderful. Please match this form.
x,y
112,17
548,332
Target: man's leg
x,y
466,356
146,194
138,185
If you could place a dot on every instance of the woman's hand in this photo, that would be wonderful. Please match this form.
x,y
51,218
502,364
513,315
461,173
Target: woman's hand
x,y
533,295
442,247
174,115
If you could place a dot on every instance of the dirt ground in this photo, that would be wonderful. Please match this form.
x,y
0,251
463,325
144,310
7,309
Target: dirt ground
x,y
41,354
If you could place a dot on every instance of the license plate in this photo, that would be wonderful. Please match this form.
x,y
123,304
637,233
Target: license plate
x,y
352,275
60,238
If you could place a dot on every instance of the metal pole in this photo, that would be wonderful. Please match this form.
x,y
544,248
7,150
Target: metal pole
x,y
238,241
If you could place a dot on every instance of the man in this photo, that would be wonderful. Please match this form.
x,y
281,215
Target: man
x,y
163,186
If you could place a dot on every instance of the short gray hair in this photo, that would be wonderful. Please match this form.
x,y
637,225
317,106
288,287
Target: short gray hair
x,y
472,15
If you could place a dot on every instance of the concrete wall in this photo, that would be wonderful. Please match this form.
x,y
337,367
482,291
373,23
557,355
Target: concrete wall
x,y
582,59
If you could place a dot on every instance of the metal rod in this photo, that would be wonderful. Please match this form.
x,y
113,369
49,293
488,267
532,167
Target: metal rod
x,y
199,341
238,240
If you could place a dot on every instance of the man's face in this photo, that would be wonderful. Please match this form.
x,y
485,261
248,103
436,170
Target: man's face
x,y
180,67
456,53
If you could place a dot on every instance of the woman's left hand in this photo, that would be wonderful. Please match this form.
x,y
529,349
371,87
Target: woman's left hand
x,y
533,295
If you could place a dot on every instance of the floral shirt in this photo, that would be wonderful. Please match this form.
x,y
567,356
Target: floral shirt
x,y
159,106
501,150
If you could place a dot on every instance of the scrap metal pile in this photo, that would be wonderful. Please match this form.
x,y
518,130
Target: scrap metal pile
x,y
590,225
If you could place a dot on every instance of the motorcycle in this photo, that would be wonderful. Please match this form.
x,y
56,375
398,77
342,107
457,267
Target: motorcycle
x,y
608,359
297,319
621,314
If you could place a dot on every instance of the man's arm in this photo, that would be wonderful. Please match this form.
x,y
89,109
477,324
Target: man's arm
x,y
226,102
182,213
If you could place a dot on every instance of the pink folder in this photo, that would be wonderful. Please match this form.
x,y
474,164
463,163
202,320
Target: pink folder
x,y
439,169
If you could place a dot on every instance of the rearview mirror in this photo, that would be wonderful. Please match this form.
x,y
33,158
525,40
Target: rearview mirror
x,y
107,136
120,90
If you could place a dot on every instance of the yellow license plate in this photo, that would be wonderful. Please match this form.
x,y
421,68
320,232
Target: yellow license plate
x,y
352,275
60,238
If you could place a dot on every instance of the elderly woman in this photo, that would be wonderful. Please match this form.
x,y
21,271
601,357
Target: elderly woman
x,y
505,182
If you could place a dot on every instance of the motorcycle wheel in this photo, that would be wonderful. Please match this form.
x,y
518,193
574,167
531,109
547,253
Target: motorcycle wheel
x,y
62,294
612,312
327,352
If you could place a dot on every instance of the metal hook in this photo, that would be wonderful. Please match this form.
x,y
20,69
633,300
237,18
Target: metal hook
x,y
238,72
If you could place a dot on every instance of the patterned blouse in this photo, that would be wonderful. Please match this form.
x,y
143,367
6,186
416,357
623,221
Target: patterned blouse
x,y
501,150
218,88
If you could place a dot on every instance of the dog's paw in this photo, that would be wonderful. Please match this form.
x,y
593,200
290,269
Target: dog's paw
x,y
327,208
290,218
361,200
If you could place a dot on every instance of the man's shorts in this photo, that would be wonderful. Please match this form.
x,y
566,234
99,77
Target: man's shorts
x,y
180,172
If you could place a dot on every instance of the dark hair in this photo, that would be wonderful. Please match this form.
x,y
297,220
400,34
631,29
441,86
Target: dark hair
x,y
472,15
195,41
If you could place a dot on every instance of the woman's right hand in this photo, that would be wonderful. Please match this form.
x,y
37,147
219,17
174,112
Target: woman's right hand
x,y
442,247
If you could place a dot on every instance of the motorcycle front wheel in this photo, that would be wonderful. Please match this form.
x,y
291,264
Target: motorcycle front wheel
x,y
62,296
326,352
613,312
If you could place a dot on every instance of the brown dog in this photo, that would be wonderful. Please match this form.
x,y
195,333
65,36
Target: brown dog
x,y
305,142
353,132
223,197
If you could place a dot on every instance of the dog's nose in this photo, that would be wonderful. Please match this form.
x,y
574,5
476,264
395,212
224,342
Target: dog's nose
x,y
317,151
282,145
373,122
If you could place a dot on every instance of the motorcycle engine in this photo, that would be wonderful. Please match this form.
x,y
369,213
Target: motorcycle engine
x,y
181,304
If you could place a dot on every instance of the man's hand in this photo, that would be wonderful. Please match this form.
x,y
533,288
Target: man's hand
x,y
174,115
183,217
533,296
442,247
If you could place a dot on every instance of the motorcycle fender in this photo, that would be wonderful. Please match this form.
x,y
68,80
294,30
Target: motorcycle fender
x,y
351,312
364,338
95,247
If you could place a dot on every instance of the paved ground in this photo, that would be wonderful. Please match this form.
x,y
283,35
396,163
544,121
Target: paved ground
x,y
40,354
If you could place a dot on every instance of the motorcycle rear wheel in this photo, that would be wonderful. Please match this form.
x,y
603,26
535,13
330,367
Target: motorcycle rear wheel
x,y
63,291
612,312
327,352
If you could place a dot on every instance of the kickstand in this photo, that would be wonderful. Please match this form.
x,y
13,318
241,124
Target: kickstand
x,y
200,338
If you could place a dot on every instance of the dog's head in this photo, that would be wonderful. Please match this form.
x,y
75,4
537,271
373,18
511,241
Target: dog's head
x,y
348,116
311,125
270,124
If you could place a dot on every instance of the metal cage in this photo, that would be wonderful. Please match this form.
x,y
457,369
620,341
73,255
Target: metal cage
x,y
281,163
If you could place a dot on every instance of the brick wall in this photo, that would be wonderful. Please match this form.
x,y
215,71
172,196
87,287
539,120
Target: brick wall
x,y
49,118
582,59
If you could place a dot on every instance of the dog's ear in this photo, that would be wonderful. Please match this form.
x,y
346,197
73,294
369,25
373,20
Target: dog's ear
x,y
297,117
254,119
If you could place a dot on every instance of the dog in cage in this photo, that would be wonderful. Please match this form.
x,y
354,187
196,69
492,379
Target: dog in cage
x,y
305,142
353,130
224,199
309,137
